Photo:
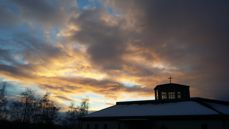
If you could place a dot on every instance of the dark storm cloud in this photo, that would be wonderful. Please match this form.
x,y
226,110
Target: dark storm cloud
x,y
10,69
191,35
6,55
44,11
14,71
26,55
58,87
37,51
106,86
65,98
106,43
25,48
32,50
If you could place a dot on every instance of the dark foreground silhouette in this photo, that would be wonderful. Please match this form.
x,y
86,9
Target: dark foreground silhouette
x,y
19,125
31,111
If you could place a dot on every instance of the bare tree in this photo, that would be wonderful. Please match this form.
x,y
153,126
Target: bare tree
x,y
48,110
72,116
74,113
29,103
24,109
3,102
16,111
83,108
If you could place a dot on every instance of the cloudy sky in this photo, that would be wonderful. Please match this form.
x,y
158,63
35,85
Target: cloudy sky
x,y
114,50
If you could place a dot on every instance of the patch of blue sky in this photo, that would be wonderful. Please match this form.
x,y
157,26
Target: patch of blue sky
x,y
2,79
9,39
15,59
14,88
6,62
38,90
97,106
11,6
96,101
20,59
5,34
88,95
92,4
53,35
88,4
112,12
8,33
129,84
92,105
37,32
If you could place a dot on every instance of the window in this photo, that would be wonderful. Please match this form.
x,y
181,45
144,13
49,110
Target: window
x,y
163,95
172,95
179,95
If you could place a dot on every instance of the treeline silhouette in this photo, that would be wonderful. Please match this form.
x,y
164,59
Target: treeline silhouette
x,y
29,111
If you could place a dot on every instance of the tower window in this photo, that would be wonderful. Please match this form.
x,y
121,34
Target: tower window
x,y
172,95
179,95
163,95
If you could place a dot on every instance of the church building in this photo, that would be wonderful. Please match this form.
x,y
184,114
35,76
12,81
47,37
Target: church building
x,y
173,108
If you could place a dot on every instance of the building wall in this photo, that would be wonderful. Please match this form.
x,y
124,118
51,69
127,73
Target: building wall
x,y
165,124
191,124
100,125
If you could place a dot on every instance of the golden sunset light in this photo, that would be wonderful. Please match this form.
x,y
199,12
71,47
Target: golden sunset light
x,y
106,51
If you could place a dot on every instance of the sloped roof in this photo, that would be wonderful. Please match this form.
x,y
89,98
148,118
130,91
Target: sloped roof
x,y
192,107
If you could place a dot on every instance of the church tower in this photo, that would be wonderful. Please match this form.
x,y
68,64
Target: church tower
x,y
172,91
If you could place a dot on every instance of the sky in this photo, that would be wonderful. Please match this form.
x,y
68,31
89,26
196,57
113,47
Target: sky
x,y
113,50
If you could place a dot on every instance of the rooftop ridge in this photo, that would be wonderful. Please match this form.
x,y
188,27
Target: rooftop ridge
x,y
148,102
208,106
210,100
197,99
171,84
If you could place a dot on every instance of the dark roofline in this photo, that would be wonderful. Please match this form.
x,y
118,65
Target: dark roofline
x,y
147,102
170,84
197,99
181,117
210,100
203,101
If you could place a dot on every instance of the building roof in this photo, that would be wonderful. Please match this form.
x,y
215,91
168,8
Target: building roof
x,y
170,85
153,108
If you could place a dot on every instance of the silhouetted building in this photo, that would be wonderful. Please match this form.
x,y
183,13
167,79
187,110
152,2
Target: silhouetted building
x,y
172,109
172,91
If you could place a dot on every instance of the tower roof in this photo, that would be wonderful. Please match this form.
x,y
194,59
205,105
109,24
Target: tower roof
x,y
169,85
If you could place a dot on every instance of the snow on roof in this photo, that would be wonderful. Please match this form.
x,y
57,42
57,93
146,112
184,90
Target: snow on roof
x,y
181,108
220,108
